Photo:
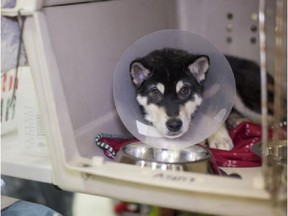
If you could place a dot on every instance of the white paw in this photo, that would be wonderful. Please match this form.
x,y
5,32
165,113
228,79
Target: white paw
x,y
220,140
222,143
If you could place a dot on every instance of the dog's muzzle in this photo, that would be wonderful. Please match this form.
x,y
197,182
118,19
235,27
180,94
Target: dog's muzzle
x,y
174,125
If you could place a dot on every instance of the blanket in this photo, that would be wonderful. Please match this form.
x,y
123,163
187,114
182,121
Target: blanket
x,y
10,39
244,137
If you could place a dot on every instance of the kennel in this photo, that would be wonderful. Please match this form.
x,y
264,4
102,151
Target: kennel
x,y
73,48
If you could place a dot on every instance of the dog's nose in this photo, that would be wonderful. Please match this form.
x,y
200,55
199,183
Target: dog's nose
x,y
174,125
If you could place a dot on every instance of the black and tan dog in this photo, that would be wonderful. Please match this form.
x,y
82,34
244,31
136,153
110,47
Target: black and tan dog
x,y
169,89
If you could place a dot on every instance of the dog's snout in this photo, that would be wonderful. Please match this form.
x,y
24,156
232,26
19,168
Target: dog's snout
x,y
174,125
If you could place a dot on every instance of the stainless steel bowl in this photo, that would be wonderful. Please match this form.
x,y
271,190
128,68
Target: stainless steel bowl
x,y
191,159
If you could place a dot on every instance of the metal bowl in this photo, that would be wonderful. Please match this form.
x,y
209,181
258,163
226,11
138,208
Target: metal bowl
x,y
191,159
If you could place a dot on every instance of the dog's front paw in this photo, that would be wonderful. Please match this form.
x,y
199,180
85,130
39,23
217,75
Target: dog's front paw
x,y
221,140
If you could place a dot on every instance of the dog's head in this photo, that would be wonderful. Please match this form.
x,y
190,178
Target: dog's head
x,y
169,86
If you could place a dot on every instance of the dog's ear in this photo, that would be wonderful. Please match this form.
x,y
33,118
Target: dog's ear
x,y
199,67
138,73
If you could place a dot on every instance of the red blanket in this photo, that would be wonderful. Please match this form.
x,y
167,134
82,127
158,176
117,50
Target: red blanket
x,y
244,137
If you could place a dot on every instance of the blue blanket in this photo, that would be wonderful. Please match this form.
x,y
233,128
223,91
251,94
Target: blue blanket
x,y
10,38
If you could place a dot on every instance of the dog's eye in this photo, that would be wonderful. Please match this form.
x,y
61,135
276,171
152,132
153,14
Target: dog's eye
x,y
155,95
184,92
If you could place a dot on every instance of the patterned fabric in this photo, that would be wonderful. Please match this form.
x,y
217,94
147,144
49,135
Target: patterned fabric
x,y
111,144
244,137
10,40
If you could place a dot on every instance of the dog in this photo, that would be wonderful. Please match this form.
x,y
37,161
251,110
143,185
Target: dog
x,y
169,85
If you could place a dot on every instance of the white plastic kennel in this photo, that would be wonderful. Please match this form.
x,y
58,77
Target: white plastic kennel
x,y
73,50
